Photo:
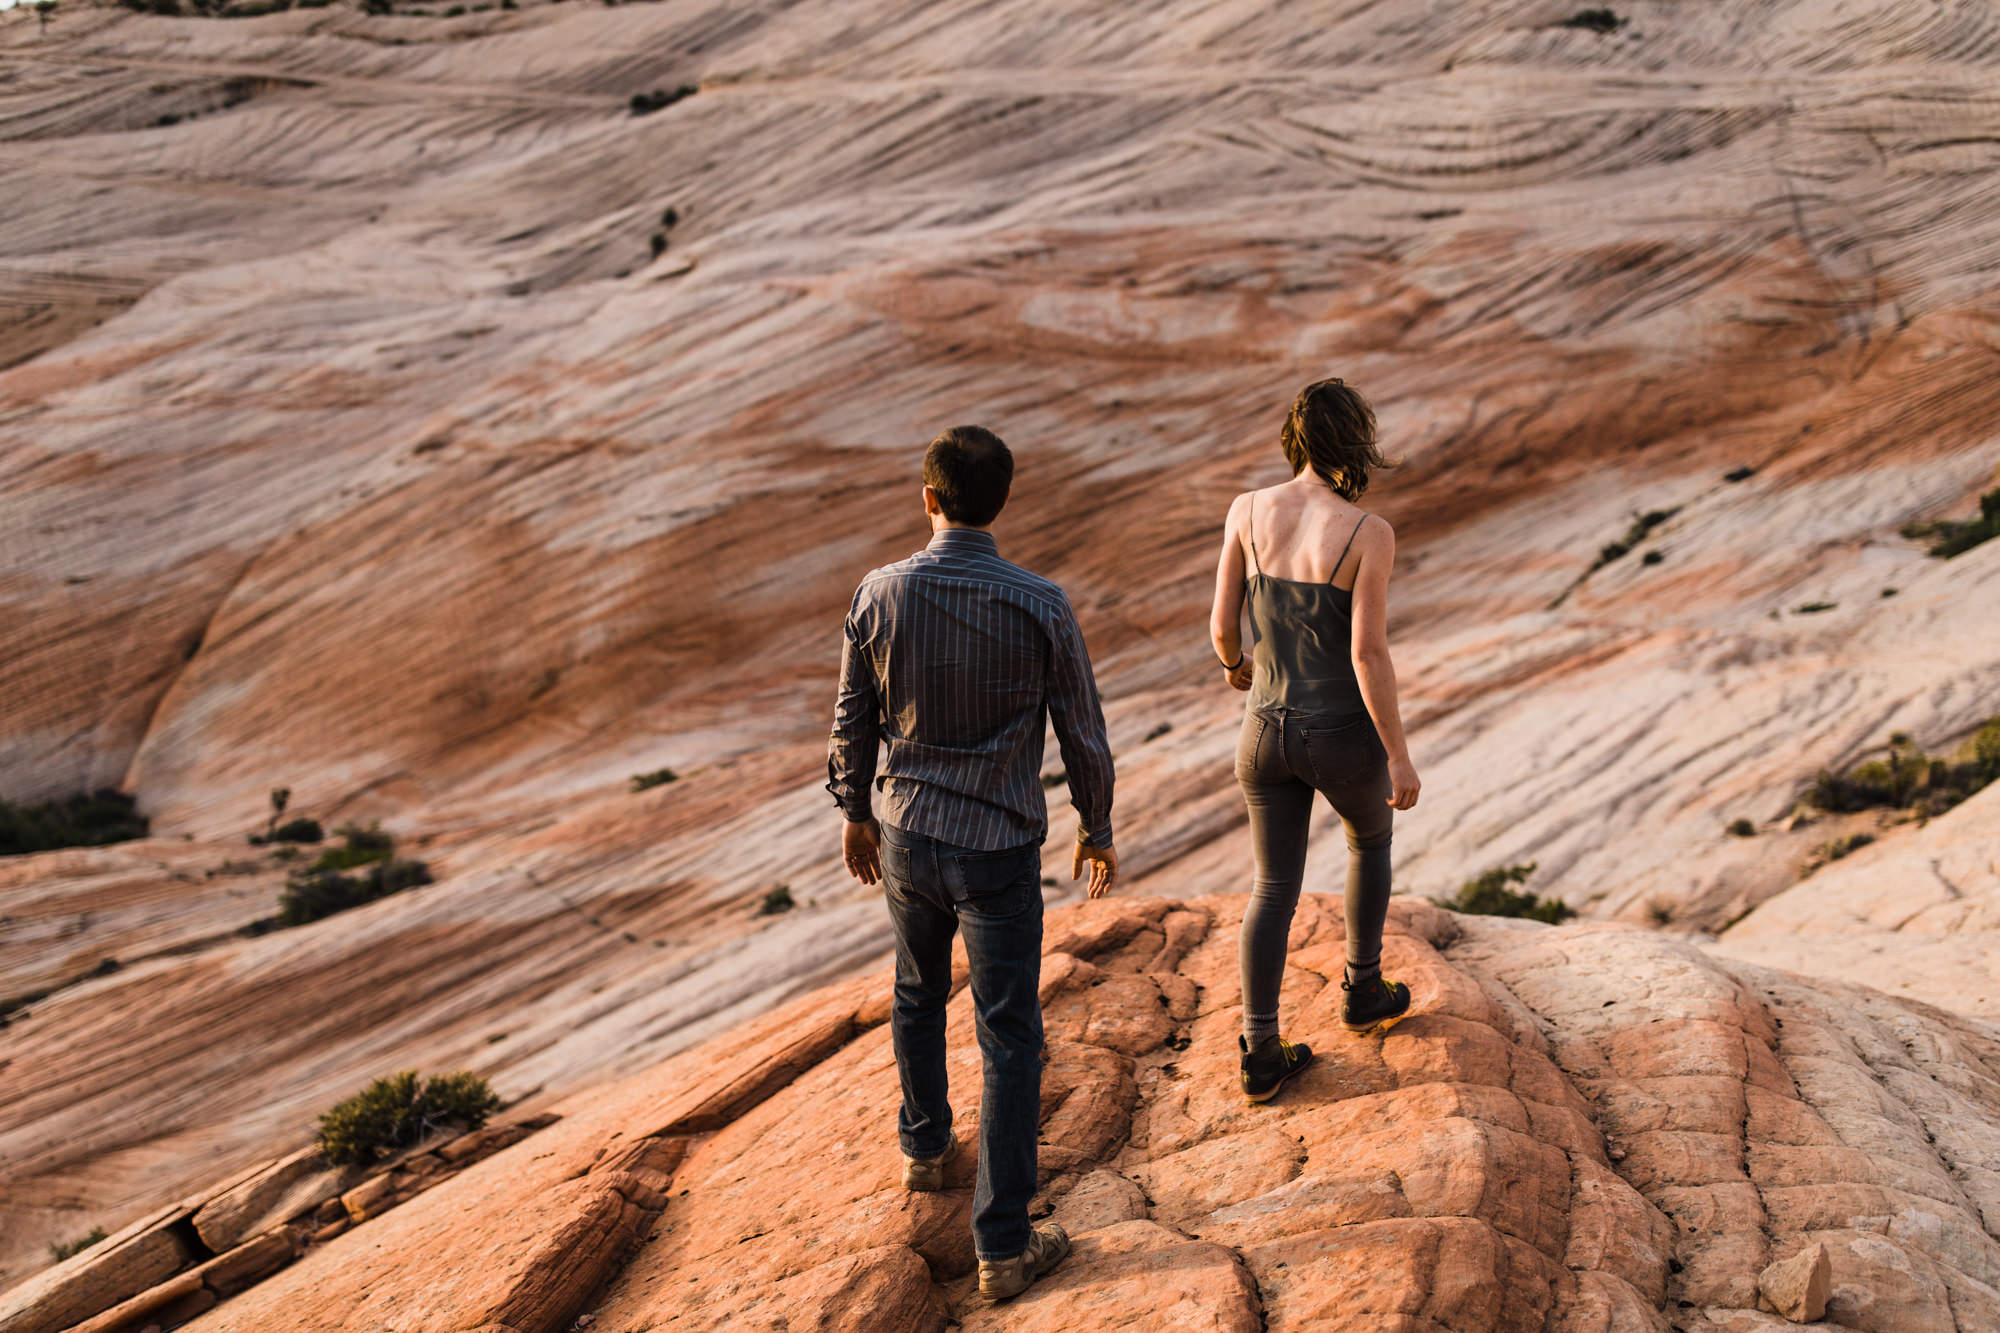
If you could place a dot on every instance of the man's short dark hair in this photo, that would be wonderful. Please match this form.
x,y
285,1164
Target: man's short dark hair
x,y
971,470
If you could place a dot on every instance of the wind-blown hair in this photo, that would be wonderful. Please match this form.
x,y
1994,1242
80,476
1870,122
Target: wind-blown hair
x,y
1331,429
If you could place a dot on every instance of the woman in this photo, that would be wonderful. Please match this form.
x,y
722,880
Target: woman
x,y
1314,571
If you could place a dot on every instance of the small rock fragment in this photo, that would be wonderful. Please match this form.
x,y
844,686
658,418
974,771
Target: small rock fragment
x,y
1798,1287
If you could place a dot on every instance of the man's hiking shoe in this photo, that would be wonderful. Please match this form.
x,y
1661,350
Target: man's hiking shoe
x,y
926,1174
1003,1279
1266,1068
1373,1007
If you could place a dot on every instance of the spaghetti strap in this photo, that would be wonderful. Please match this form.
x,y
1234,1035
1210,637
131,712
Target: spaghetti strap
x,y
1257,565
1343,550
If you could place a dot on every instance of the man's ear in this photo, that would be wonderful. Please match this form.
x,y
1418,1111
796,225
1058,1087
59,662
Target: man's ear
x,y
931,505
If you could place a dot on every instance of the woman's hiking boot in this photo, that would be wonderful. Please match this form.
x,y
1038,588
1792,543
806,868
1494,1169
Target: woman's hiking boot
x,y
926,1174
1266,1068
1003,1279
1374,1006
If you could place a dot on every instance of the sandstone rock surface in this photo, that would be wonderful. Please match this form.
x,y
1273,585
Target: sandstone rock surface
x,y
1915,914
354,439
1454,1175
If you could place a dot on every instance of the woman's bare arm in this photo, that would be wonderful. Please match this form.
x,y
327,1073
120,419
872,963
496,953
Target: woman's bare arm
x,y
1372,667
1225,618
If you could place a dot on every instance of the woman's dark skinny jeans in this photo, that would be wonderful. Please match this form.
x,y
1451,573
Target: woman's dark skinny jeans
x,y
1282,758
935,889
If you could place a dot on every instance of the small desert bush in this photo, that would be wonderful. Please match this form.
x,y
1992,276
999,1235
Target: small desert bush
x,y
644,104
777,900
61,1250
103,816
1954,538
291,831
1906,778
310,895
364,846
659,777
297,830
1488,895
1641,526
400,1110
1600,21
1742,828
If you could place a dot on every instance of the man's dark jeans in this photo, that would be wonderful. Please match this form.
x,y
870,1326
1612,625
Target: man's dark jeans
x,y
934,889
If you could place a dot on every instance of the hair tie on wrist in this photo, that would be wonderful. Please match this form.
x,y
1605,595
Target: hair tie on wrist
x,y
1231,666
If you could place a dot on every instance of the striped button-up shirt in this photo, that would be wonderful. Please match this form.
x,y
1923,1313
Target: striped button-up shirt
x,y
954,657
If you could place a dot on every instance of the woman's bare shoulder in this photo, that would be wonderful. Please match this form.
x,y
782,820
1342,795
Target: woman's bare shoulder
x,y
1374,533
1239,508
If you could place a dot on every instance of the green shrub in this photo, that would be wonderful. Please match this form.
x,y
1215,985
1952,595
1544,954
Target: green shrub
x,y
1742,828
1986,750
659,777
1054,779
15,1004
1907,778
1641,526
298,830
400,1110
777,900
321,889
1488,895
1955,538
60,1251
311,894
645,104
1839,847
103,816
1600,21
364,847
1739,474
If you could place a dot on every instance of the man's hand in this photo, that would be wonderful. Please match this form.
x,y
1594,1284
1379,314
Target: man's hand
x,y
1103,867
1403,784
861,848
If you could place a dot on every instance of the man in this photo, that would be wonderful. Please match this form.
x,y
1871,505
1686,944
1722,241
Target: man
x,y
954,657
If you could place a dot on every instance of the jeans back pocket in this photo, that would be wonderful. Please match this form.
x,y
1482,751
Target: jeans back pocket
x,y
993,883
1343,750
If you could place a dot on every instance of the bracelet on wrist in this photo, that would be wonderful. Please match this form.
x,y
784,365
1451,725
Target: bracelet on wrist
x,y
1231,666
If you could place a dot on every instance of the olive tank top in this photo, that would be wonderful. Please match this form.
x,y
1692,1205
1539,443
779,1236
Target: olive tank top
x,y
1301,639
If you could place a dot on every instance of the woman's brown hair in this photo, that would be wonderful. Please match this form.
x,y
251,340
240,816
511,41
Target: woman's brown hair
x,y
1331,429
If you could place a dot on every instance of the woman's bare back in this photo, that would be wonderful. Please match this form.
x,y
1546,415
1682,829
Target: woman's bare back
x,y
1300,528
